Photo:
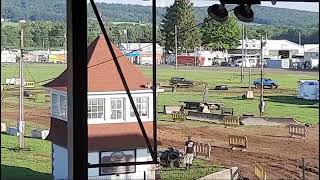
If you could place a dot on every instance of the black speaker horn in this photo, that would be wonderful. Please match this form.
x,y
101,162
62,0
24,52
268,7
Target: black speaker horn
x,y
244,13
218,12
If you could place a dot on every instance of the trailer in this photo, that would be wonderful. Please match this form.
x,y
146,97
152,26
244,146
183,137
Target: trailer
x,y
308,89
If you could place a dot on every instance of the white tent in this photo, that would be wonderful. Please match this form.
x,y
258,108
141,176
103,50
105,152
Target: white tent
x,y
308,89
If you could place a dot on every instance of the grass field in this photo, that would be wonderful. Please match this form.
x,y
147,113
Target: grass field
x,y
280,103
33,164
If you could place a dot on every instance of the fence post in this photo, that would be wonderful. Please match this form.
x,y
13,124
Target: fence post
x,y
231,177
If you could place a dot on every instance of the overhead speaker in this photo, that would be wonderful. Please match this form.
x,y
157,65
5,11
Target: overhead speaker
x,y
218,12
244,13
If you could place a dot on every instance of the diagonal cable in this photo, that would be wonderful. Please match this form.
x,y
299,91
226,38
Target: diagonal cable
x,y
124,82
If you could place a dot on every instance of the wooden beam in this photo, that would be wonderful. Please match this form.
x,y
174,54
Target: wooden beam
x,y
77,89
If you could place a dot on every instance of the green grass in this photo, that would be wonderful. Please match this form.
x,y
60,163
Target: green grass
x,y
198,170
33,164
37,162
280,103
39,72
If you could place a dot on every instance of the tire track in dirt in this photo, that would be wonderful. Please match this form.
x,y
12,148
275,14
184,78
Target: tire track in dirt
x,y
278,154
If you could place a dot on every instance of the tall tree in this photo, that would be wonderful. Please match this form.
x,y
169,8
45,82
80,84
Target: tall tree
x,y
182,14
219,35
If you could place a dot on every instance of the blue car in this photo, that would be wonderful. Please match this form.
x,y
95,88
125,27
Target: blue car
x,y
266,83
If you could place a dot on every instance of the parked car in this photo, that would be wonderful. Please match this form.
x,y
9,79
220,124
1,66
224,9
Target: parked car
x,y
179,81
266,83
171,157
225,64
221,87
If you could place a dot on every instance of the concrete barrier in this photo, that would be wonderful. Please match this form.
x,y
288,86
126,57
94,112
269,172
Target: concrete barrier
x,y
3,127
297,130
238,142
208,116
170,109
226,174
259,172
40,134
13,131
202,149
231,121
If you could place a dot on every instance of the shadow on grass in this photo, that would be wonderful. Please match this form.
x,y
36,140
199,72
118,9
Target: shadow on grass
x,y
290,100
12,173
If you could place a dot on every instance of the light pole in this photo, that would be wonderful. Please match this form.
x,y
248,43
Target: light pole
x,y
21,123
242,54
176,44
262,104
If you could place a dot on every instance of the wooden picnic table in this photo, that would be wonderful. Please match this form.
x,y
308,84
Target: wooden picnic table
x,y
196,104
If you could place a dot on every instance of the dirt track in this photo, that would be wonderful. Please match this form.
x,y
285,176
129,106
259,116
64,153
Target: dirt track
x,y
271,147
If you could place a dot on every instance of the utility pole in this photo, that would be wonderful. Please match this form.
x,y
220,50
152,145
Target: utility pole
x,y
21,124
250,67
299,38
241,80
176,43
262,103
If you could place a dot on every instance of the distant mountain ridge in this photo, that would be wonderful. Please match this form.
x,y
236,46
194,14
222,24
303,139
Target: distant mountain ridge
x,y
55,10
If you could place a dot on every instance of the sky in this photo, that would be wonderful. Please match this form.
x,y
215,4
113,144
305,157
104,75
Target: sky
x,y
290,5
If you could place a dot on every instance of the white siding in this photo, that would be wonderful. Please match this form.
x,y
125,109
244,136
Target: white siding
x,y
59,162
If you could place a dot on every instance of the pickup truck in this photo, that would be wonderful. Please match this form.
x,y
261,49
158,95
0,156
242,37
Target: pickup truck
x,y
266,83
179,81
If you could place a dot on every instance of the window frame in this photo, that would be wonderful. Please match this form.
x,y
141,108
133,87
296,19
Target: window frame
x,y
90,117
141,105
123,109
57,108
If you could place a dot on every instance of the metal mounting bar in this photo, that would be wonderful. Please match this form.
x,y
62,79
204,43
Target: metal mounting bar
x,y
120,164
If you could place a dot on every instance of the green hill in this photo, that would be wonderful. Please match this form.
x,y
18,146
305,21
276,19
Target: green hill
x,y
55,10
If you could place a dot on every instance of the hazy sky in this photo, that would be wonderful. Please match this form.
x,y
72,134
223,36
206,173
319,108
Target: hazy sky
x,y
299,6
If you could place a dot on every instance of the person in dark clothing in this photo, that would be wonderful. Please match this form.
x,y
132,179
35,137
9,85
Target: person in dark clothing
x,y
189,152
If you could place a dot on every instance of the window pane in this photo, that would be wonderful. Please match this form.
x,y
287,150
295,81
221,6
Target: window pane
x,y
119,114
113,104
119,105
89,101
100,108
89,115
113,115
100,115
94,115
89,108
100,101
94,101
94,108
